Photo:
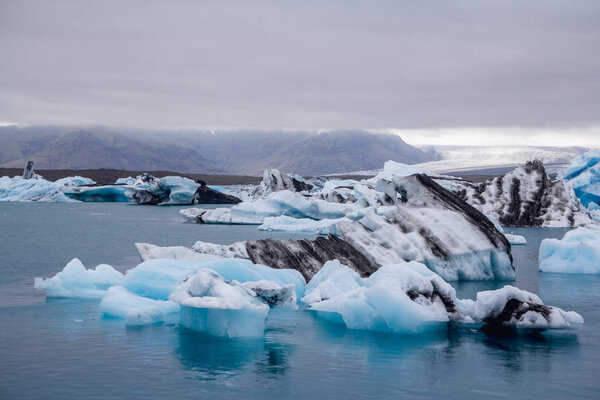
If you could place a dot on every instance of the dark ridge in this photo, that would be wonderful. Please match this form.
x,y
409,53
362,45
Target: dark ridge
x,y
206,195
307,256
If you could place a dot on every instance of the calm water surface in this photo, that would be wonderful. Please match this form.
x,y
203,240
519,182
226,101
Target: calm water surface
x,y
64,348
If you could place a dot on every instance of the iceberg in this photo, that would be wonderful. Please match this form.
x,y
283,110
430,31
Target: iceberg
x,y
172,190
513,307
158,289
578,252
583,174
18,189
516,240
409,298
220,308
274,181
525,196
77,281
372,223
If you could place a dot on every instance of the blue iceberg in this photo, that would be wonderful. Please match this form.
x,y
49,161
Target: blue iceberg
x,y
584,176
578,252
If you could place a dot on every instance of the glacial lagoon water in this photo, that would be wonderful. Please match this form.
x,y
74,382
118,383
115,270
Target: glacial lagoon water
x,y
64,348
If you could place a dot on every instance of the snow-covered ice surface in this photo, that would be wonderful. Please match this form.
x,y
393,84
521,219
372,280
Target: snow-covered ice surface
x,y
584,176
77,281
578,252
410,298
517,240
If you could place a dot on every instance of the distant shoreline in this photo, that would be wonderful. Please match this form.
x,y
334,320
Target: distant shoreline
x,y
109,176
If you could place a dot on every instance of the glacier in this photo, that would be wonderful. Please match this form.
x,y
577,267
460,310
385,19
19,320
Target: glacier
x,y
578,252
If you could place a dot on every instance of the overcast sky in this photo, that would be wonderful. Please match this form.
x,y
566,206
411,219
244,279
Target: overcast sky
x,y
485,69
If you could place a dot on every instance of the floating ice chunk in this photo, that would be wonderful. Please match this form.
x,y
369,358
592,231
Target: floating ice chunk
x,y
331,280
180,190
212,305
18,189
578,252
74,181
513,307
303,225
76,281
118,302
149,251
410,298
401,298
516,239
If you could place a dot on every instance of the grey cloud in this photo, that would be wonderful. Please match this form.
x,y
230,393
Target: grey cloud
x,y
303,64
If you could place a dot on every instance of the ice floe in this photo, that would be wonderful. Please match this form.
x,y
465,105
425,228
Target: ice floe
x,y
578,252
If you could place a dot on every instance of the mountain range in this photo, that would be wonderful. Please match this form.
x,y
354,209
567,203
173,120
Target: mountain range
x,y
239,152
